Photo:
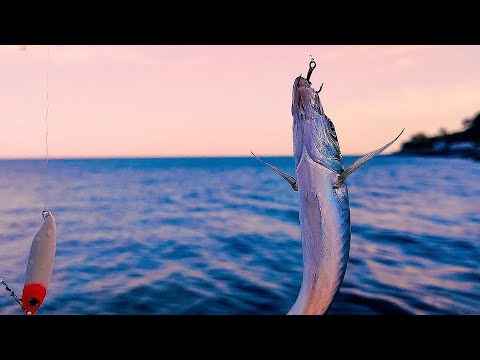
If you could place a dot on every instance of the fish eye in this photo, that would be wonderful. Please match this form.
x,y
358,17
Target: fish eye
x,y
33,301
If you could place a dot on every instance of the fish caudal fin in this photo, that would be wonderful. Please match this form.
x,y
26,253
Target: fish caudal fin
x,y
362,161
288,178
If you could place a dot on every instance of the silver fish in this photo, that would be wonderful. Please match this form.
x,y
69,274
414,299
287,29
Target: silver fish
x,y
323,199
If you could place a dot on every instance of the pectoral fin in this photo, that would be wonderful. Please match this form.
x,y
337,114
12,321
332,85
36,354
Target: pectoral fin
x,y
362,161
290,179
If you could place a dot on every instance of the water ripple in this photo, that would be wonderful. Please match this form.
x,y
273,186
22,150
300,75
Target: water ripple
x,y
221,236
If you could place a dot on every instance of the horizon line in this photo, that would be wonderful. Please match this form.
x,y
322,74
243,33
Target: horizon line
x,y
160,157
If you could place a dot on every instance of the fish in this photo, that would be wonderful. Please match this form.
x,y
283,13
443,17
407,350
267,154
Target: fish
x,y
324,210
40,265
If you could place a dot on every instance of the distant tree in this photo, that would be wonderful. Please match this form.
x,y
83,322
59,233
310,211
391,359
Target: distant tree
x,y
473,131
419,138
442,132
421,142
467,123
476,122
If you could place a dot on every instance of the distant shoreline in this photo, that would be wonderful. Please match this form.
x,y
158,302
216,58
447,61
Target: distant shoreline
x,y
439,155
398,153
248,156
460,144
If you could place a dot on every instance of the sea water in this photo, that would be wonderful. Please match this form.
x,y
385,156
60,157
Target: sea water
x,y
222,236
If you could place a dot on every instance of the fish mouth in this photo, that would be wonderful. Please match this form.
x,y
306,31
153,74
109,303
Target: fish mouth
x,y
304,98
313,131
300,81
301,84
301,94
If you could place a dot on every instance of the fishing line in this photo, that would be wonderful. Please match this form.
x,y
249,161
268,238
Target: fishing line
x,y
12,294
46,133
43,245
42,252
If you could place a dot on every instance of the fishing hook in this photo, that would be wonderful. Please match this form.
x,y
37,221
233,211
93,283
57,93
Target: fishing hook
x,y
312,65
46,213
318,92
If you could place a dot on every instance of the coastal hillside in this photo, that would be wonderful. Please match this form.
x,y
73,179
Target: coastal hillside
x,y
464,143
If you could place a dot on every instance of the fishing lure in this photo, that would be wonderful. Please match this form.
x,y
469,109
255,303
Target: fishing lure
x,y
40,264
323,198
42,251
39,267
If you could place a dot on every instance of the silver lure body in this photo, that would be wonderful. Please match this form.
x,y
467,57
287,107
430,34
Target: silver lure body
x,y
323,208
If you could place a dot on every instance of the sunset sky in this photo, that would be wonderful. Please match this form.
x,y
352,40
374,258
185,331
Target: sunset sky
x,y
116,101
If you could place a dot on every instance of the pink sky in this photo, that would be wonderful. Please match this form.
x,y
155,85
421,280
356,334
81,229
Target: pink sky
x,y
225,100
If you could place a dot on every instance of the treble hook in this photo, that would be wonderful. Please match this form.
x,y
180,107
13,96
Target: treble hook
x,y
312,65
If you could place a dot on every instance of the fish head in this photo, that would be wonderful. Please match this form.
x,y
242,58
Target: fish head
x,y
32,297
313,131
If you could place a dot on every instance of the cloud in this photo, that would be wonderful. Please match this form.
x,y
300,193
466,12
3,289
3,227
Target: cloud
x,y
405,62
406,49
93,55
9,49
401,55
79,54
